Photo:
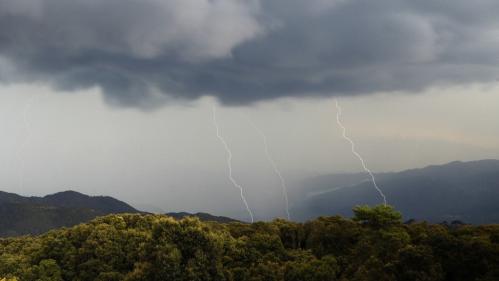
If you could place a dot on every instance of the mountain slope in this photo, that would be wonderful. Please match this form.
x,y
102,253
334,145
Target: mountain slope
x,y
202,217
467,191
33,215
73,199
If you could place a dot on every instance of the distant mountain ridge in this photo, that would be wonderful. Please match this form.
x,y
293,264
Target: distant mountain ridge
x,y
21,215
202,217
73,199
467,191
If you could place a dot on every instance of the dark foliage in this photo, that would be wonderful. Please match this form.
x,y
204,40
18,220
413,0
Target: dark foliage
x,y
374,245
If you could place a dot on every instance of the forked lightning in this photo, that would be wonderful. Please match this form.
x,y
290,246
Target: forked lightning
x,y
274,166
229,163
364,166
20,156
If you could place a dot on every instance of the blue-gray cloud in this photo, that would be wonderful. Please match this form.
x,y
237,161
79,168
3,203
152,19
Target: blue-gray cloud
x,y
143,53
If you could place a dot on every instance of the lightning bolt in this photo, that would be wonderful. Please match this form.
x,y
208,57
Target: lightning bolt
x,y
229,163
27,126
364,166
273,164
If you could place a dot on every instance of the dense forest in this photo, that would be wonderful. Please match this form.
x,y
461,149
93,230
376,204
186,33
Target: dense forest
x,y
373,245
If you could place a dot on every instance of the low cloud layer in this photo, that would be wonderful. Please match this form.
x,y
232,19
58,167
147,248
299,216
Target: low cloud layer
x,y
144,53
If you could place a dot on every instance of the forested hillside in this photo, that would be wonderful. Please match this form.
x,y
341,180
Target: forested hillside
x,y
374,245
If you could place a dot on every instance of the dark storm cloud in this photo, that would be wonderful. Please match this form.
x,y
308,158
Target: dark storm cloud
x,y
146,52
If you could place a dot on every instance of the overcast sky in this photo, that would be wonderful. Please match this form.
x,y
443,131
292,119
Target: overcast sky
x,y
115,97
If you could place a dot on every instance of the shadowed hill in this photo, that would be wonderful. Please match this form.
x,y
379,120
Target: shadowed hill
x,y
73,199
202,217
33,215
467,191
